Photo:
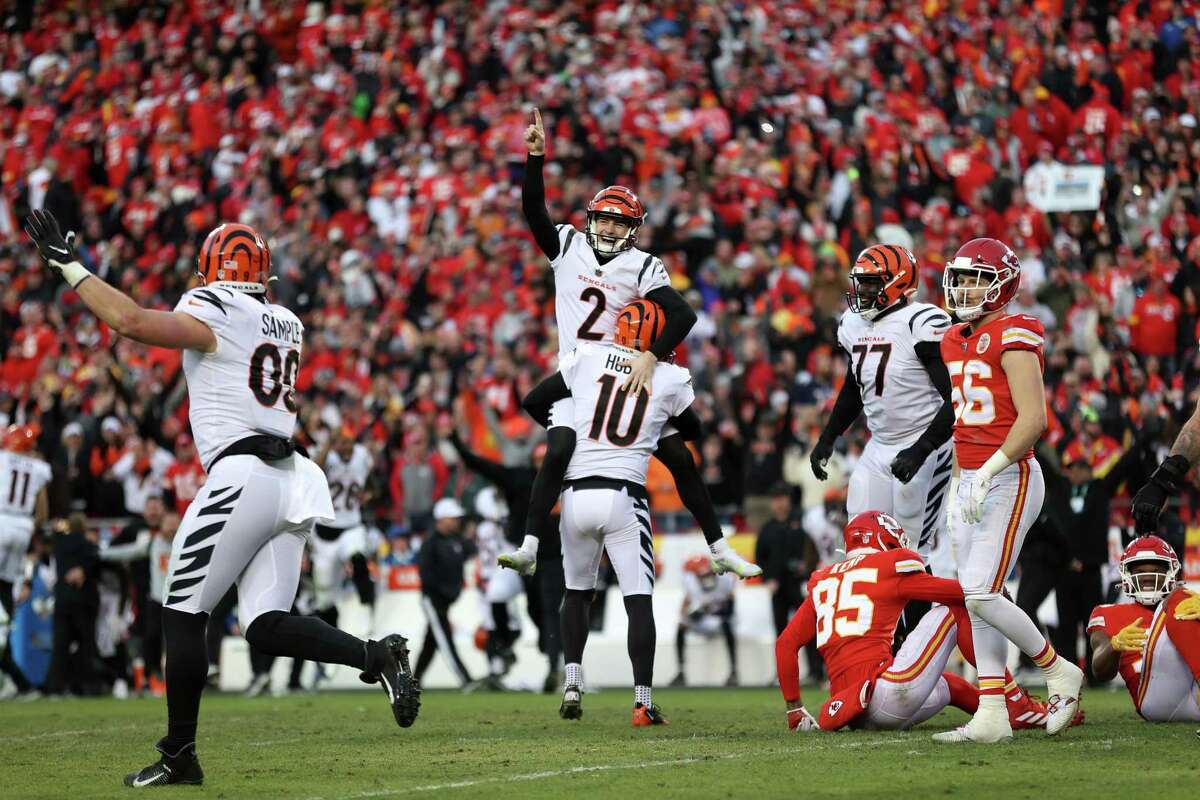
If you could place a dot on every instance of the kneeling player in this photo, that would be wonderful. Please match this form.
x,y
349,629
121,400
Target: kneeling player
x,y
707,611
1153,641
605,504
852,609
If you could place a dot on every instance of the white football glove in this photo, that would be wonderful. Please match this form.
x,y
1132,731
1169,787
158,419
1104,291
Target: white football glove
x,y
800,720
972,505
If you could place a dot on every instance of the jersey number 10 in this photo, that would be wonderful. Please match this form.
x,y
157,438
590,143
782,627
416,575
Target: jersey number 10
x,y
607,419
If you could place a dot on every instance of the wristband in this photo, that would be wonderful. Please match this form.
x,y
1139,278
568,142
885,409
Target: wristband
x,y
995,463
75,273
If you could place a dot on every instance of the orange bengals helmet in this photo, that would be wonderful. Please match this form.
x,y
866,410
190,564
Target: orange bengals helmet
x,y
235,256
621,204
639,324
21,438
882,276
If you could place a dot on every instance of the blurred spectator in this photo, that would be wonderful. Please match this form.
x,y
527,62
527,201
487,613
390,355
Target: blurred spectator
x,y
441,561
184,478
74,660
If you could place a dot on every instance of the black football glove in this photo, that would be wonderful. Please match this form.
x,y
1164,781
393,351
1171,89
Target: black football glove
x,y
1148,502
908,461
819,457
56,250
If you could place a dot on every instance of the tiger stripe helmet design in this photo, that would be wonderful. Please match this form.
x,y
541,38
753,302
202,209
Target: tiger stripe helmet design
x,y
235,256
882,276
619,203
639,324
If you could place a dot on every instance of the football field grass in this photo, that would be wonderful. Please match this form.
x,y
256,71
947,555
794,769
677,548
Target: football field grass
x,y
720,743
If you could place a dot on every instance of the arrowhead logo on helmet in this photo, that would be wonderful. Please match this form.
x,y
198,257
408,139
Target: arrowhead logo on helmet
x,y
983,277
1149,569
874,530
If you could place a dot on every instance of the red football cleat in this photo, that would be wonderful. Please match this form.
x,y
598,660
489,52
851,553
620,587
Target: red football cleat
x,y
1027,712
647,715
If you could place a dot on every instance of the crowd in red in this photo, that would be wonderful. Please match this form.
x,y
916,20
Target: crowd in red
x,y
381,152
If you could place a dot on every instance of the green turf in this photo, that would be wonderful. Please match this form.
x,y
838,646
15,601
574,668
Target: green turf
x,y
720,743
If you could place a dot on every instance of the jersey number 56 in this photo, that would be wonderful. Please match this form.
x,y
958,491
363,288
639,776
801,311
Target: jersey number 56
x,y
973,404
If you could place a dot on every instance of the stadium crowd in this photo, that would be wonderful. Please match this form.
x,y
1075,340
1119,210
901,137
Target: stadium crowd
x,y
382,153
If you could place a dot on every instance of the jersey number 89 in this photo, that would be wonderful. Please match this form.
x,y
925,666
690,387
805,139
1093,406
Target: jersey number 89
x,y
973,404
834,596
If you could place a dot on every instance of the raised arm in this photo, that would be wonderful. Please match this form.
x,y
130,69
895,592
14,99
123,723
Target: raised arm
x,y
171,329
533,191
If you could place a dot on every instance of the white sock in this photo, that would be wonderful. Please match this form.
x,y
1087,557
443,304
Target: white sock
x,y
574,675
1014,624
641,694
530,544
993,702
719,548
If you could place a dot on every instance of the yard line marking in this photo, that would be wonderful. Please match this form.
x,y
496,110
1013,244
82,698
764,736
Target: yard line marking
x,y
558,773
33,737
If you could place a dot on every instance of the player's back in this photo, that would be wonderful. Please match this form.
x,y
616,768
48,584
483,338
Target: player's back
x,y
984,411
589,295
347,479
247,385
22,476
857,605
616,434
1111,618
898,397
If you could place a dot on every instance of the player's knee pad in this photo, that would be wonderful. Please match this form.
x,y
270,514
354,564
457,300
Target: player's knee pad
x,y
979,603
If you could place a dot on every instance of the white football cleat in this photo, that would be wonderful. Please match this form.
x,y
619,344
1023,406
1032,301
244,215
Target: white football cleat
x,y
521,560
732,562
1063,687
988,726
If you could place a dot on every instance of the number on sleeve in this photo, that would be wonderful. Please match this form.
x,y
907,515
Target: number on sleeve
x,y
835,601
973,404
611,428
592,295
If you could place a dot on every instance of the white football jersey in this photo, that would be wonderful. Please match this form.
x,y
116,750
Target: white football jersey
x,y
588,295
898,397
710,594
615,437
21,478
347,479
247,385
489,538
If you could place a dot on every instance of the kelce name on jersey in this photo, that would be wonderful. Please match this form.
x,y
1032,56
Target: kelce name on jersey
x,y
617,364
283,330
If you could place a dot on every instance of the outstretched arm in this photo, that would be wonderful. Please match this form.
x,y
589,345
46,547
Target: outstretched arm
x,y
533,191
171,329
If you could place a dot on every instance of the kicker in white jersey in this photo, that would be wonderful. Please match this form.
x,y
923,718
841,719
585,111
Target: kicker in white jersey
x,y
615,434
346,482
21,479
246,386
898,397
589,295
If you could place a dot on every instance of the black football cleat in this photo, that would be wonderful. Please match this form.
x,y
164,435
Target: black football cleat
x,y
391,668
572,703
182,768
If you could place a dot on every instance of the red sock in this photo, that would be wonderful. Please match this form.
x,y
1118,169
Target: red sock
x,y
1184,633
962,694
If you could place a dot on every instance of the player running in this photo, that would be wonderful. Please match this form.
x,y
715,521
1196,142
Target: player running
x,y
605,504
995,364
898,378
24,504
1154,639
852,609
249,522
597,273
347,467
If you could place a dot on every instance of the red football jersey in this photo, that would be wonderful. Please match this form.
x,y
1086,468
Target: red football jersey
x,y
184,480
852,609
1110,619
983,406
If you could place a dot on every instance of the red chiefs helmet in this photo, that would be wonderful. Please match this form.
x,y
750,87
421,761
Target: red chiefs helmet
x,y
883,275
875,530
698,565
21,438
983,277
235,256
1148,588
621,204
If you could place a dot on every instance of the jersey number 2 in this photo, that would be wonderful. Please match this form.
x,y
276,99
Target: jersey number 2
x,y
592,295
834,596
607,420
268,362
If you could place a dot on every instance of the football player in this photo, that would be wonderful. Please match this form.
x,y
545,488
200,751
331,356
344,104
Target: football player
x,y
1153,640
605,505
852,609
597,273
995,363
24,504
499,587
707,611
249,522
898,378
347,466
